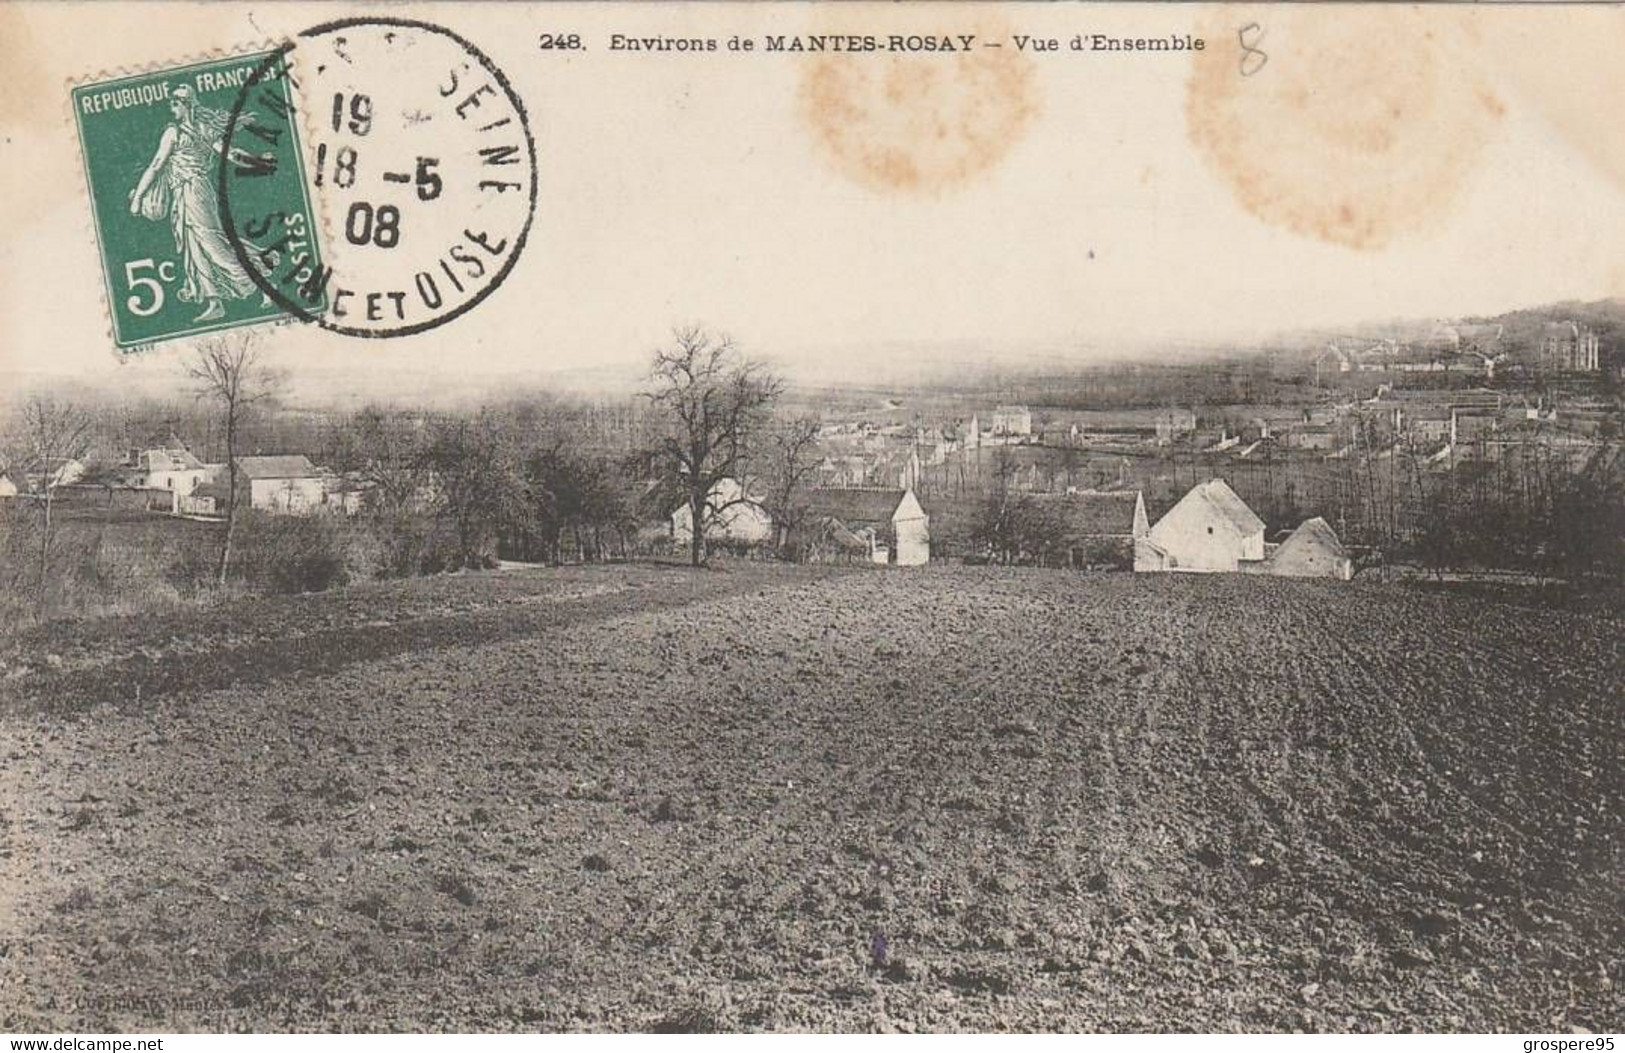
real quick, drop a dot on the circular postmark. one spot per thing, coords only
(419, 155)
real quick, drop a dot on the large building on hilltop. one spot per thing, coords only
(1568, 348)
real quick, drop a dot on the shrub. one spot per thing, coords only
(364, 553)
(409, 544)
(289, 554)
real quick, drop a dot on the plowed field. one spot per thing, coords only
(637, 798)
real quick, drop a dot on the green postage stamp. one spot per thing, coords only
(158, 150)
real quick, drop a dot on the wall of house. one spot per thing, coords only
(1148, 557)
(180, 480)
(344, 502)
(1313, 440)
(913, 537)
(735, 523)
(287, 496)
(1309, 559)
(191, 504)
(1196, 539)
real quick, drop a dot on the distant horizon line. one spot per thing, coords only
(830, 366)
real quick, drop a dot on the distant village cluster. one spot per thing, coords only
(849, 507)
(1383, 453)
(879, 474)
(1210, 529)
(1564, 347)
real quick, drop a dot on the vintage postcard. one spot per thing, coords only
(837, 517)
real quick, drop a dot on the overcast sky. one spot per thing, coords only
(682, 188)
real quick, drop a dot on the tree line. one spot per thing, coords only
(532, 478)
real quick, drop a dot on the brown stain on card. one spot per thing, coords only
(1358, 126)
(918, 123)
(21, 104)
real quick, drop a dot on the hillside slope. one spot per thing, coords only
(637, 798)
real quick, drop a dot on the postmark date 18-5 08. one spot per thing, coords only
(423, 166)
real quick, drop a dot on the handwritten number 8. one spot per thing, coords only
(1253, 58)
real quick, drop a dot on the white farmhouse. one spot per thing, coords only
(1210, 529)
(172, 468)
(732, 516)
(285, 484)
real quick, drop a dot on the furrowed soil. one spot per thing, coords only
(761, 797)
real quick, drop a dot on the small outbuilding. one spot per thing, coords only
(206, 499)
(1311, 551)
(889, 523)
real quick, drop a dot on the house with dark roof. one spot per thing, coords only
(1097, 526)
(885, 525)
(36, 476)
(205, 499)
(1012, 420)
(1209, 529)
(1430, 423)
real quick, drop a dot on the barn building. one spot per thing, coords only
(888, 524)
(1098, 526)
(1209, 529)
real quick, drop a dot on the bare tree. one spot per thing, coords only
(712, 402)
(54, 435)
(791, 458)
(995, 528)
(228, 372)
(479, 483)
(390, 450)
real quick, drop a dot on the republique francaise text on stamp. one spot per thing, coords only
(376, 177)
(154, 147)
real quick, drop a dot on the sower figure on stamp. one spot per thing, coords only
(179, 184)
